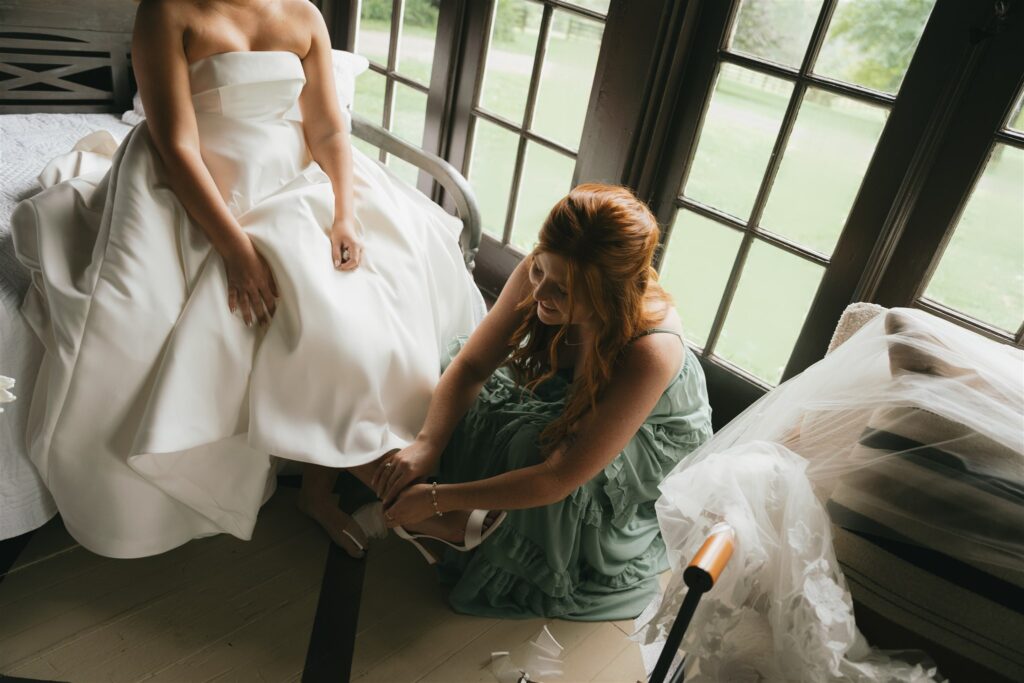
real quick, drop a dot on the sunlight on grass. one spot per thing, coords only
(696, 268)
(736, 139)
(982, 270)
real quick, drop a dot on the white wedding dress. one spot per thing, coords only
(157, 411)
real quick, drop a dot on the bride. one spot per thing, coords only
(239, 284)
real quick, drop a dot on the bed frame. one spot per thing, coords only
(76, 57)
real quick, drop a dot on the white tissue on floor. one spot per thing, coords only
(534, 661)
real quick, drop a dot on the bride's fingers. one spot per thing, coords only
(352, 261)
(269, 302)
(395, 486)
(336, 252)
(232, 299)
(246, 306)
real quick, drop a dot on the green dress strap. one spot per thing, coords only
(656, 330)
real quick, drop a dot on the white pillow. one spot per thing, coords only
(346, 67)
(135, 115)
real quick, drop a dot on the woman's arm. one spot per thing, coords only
(328, 139)
(640, 378)
(458, 387)
(161, 69)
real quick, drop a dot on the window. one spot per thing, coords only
(528, 111)
(801, 92)
(980, 273)
(398, 37)
(800, 155)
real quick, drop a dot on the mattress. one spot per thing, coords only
(27, 143)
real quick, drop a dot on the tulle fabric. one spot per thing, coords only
(911, 429)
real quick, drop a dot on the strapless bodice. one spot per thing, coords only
(250, 129)
(247, 85)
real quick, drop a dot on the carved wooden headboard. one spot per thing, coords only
(65, 56)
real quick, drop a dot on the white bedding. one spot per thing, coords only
(27, 143)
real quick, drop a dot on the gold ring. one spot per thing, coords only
(388, 465)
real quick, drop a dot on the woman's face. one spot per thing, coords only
(549, 277)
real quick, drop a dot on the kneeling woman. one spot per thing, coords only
(567, 407)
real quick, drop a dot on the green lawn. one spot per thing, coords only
(831, 145)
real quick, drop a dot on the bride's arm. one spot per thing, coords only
(161, 69)
(645, 369)
(458, 387)
(328, 138)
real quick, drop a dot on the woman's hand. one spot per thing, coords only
(346, 247)
(413, 505)
(401, 468)
(251, 285)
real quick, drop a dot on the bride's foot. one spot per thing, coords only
(342, 529)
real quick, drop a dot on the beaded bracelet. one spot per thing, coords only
(433, 499)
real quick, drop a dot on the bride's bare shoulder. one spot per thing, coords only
(176, 11)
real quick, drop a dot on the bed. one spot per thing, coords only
(58, 85)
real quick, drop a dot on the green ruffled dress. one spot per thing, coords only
(595, 555)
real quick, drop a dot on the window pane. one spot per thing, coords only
(870, 42)
(982, 269)
(510, 54)
(696, 269)
(403, 169)
(490, 172)
(416, 42)
(774, 295)
(775, 31)
(547, 177)
(1016, 121)
(369, 102)
(374, 30)
(566, 77)
(736, 139)
(366, 148)
(822, 167)
(409, 114)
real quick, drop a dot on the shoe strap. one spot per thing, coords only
(475, 528)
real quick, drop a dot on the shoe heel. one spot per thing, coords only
(427, 555)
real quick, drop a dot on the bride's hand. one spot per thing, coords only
(251, 285)
(414, 505)
(346, 247)
(399, 469)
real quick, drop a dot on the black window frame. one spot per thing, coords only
(653, 80)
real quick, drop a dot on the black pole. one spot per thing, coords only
(675, 636)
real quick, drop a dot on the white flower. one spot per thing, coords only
(5, 395)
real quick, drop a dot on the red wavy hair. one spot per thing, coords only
(608, 238)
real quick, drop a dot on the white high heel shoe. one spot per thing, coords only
(475, 534)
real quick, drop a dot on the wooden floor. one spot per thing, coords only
(220, 609)
(407, 632)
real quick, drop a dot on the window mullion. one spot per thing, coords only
(397, 14)
(389, 97)
(538, 66)
(731, 286)
(513, 194)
